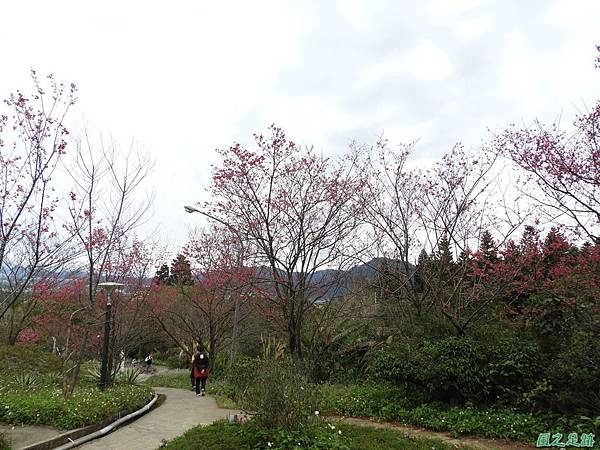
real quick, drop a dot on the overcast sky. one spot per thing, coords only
(186, 77)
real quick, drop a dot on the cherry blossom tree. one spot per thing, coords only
(211, 308)
(427, 220)
(32, 141)
(297, 212)
(105, 208)
(562, 168)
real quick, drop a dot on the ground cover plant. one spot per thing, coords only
(323, 436)
(44, 405)
(386, 402)
(4, 444)
(30, 392)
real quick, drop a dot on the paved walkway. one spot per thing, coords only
(21, 436)
(180, 411)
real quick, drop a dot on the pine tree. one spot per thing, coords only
(181, 272)
(422, 271)
(162, 276)
(444, 260)
(487, 247)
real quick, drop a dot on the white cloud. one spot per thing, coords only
(424, 62)
(472, 28)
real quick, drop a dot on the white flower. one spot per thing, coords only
(316, 413)
(339, 432)
(270, 444)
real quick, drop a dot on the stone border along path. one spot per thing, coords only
(180, 411)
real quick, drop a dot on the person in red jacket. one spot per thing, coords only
(200, 368)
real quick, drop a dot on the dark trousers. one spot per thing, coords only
(192, 377)
(200, 381)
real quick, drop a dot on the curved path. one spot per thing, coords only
(180, 411)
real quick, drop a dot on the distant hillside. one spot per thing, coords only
(339, 283)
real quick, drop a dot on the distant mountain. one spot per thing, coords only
(340, 282)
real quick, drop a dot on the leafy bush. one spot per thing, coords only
(512, 371)
(314, 435)
(279, 395)
(573, 376)
(242, 374)
(448, 368)
(177, 361)
(46, 406)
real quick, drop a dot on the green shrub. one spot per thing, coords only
(448, 368)
(511, 371)
(177, 362)
(93, 373)
(275, 391)
(574, 378)
(242, 374)
(315, 435)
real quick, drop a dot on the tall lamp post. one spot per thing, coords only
(191, 209)
(109, 287)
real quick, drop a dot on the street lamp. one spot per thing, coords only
(109, 287)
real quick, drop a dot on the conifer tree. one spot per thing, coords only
(162, 275)
(181, 272)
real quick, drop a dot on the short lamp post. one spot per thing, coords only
(109, 287)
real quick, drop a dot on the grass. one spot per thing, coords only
(215, 387)
(226, 436)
